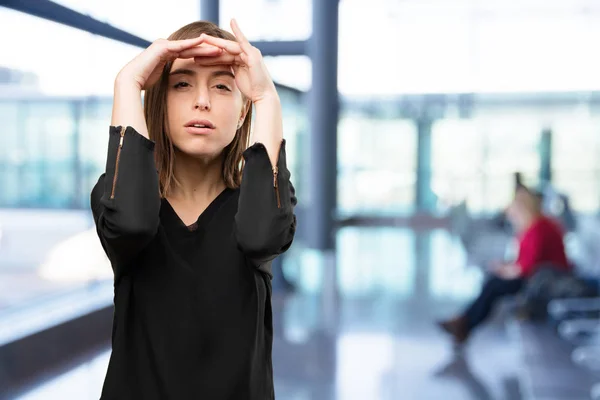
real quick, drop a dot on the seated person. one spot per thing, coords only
(540, 243)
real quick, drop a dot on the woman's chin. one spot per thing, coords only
(201, 150)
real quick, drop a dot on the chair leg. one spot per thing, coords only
(595, 391)
(570, 329)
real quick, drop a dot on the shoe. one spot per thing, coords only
(457, 327)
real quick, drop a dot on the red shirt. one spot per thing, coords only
(541, 243)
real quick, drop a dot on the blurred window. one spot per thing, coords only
(376, 165)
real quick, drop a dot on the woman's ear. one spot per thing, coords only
(243, 114)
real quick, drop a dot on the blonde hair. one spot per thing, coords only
(155, 112)
(528, 200)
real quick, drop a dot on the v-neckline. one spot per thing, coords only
(202, 219)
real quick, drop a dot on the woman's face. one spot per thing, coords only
(520, 212)
(515, 214)
(204, 108)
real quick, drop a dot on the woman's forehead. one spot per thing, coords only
(189, 64)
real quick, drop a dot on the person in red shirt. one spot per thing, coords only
(540, 243)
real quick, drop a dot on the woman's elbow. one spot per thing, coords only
(131, 226)
(265, 240)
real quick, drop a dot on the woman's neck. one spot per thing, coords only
(529, 220)
(199, 178)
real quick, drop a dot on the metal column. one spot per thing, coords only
(425, 199)
(209, 10)
(546, 156)
(323, 105)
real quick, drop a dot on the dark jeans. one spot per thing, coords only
(493, 290)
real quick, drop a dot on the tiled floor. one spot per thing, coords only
(373, 337)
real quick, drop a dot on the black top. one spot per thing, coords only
(192, 313)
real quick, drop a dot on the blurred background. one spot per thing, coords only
(406, 122)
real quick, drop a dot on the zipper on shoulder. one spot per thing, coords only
(112, 193)
(276, 186)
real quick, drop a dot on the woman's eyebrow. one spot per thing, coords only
(222, 72)
(183, 71)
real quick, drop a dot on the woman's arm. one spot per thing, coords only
(265, 223)
(125, 200)
(268, 125)
(508, 271)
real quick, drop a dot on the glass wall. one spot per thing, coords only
(475, 159)
(376, 165)
(576, 159)
(477, 146)
(51, 149)
(55, 83)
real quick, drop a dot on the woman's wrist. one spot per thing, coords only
(124, 83)
(268, 99)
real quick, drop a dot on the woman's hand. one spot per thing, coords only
(145, 69)
(508, 271)
(251, 74)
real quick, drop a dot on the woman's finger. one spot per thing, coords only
(200, 51)
(243, 58)
(228, 45)
(223, 59)
(244, 43)
(178, 46)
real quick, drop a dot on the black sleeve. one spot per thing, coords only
(125, 201)
(265, 223)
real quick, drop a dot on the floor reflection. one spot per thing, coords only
(367, 331)
(458, 369)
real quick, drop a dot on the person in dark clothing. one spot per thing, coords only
(191, 218)
(540, 242)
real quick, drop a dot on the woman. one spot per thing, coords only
(189, 233)
(540, 243)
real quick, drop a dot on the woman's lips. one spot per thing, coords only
(198, 131)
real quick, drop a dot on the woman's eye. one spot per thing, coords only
(181, 84)
(222, 87)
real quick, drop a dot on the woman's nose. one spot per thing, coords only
(202, 101)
